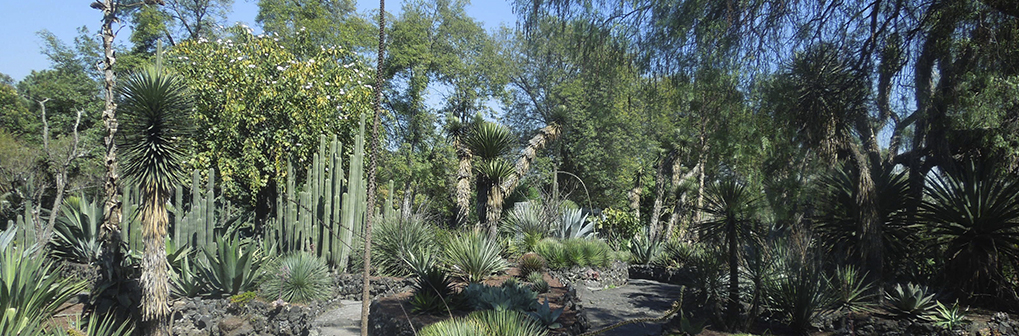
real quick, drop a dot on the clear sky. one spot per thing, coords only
(20, 20)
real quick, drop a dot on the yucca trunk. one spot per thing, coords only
(154, 279)
(733, 310)
(527, 156)
(871, 227)
(494, 211)
(463, 183)
(484, 189)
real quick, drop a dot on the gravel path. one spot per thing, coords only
(342, 321)
(638, 299)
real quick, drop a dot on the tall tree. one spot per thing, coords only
(155, 108)
(308, 25)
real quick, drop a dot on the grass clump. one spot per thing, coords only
(474, 256)
(299, 277)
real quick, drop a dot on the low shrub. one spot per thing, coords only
(298, 277)
(538, 283)
(553, 252)
(530, 263)
(509, 296)
(395, 237)
(487, 322)
(575, 252)
(644, 250)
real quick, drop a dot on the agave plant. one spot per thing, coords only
(852, 292)
(645, 250)
(972, 215)
(230, 269)
(912, 302)
(526, 225)
(574, 224)
(546, 315)
(76, 236)
(31, 291)
(96, 326)
(474, 255)
(433, 290)
(949, 317)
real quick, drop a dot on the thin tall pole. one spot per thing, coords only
(372, 167)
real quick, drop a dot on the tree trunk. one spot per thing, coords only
(871, 227)
(494, 211)
(462, 195)
(484, 187)
(110, 256)
(527, 156)
(664, 162)
(154, 280)
(634, 196)
(733, 310)
(372, 169)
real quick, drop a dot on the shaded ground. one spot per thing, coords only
(342, 321)
(638, 299)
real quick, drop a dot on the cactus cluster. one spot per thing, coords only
(25, 226)
(327, 212)
(196, 227)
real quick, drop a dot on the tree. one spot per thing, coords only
(263, 107)
(198, 18)
(731, 208)
(307, 25)
(155, 109)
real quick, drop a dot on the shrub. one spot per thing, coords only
(553, 252)
(474, 255)
(488, 323)
(298, 277)
(799, 290)
(949, 317)
(676, 252)
(30, 290)
(912, 302)
(850, 290)
(509, 296)
(231, 269)
(531, 263)
(395, 237)
(538, 283)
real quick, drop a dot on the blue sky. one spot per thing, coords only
(21, 20)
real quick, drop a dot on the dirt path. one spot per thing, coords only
(342, 321)
(639, 298)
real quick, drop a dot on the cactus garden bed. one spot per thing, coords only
(393, 316)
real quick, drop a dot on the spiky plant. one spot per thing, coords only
(972, 214)
(912, 302)
(531, 263)
(490, 174)
(76, 236)
(731, 209)
(300, 277)
(231, 268)
(852, 291)
(573, 224)
(30, 290)
(155, 109)
(644, 249)
(474, 255)
(526, 225)
(395, 238)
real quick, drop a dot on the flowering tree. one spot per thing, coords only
(258, 106)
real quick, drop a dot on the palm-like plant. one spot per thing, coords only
(972, 217)
(731, 210)
(527, 226)
(154, 106)
(489, 142)
(77, 231)
(490, 174)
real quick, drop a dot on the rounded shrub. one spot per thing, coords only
(474, 255)
(297, 277)
(538, 283)
(531, 263)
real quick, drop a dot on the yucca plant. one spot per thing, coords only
(433, 290)
(31, 291)
(574, 224)
(230, 269)
(852, 293)
(912, 302)
(971, 214)
(76, 234)
(154, 112)
(799, 290)
(487, 323)
(474, 256)
(299, 277)
(731, 209)
(526, 225)
(394, 238)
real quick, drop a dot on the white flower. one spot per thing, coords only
(348, 65)
(251, 65)
(280, 68)
(311, 61)
(327, 83)
(342, 92)
(328, 97)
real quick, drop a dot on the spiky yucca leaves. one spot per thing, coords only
(154, 114)
(838, 219)
(538, 283)
(645, 250)
(731, 209)
(77, 231)
(851, 290)
(31, 291)
(474, 256)
(488, 323)
(299, 277)
(395, 238)
(489, 140)
(95, 326)
(972, 215)
(527, 226)
(433, 291)
(799, 290)
(912, 302)
(491, 173)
